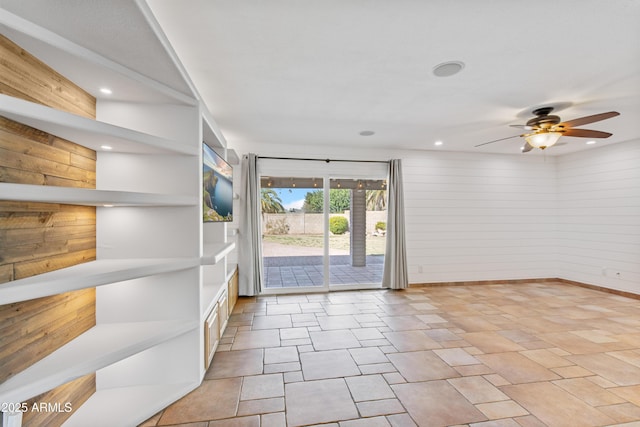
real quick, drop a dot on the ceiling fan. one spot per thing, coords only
(545, 129)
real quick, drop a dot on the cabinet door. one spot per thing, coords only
(211, 336)
(233, 291)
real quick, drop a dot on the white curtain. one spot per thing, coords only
(249, 247)
(395, 275)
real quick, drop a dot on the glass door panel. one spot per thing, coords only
(357, 230)
(293, 232)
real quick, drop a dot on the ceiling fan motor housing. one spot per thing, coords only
(543, 119)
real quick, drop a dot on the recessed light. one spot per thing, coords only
(106, 147)
(107, 206)
(367, 133)
(591, 142)
(106, 90)
(447, 69)
(438, 143)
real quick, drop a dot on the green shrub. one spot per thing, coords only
(381, 225)
(338, 224)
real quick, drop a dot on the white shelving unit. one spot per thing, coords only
(159, 270)
(89, 275)
(89, 133)
(98, 410)
(100, 346)
(216, 270)
(216, 252)
(89, 197)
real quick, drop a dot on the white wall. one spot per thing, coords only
(492, 217)
(599, 216)
(479, 216)
(468, 216)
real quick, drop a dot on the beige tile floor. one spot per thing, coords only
(529, 355)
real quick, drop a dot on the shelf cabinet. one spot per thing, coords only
(162, 278)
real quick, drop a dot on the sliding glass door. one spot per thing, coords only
(357, 229)
(321, 230)
(293, 232)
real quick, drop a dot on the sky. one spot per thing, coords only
(293, 198)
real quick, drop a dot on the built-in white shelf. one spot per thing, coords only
(210, 294)
(89, 197)
(176, 145)
(213, 253)
(88, 275)
(212, 290)
(88, 132)
(97, 348)
(128, 406)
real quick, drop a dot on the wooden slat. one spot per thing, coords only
(23, 177)
(10, 206)
(16, 128)
(12, 159)
(88, 182)
(33, 329)
(73, 148)
(18, 220)
(39, 251)
(25, 76)
(82, 162)
(29, 252)
(81, 245)
(22, 144)
(59, 309)
(56, 262)
(75, 393)
(6, 273)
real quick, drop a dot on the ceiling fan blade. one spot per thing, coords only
(589, 119)
(586, 133)
(496, 140)
(527, 147)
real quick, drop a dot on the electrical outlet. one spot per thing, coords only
(420, 269)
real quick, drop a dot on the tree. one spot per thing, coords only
(376, 200)
(270, 201)
(313, 201)
(339, 201)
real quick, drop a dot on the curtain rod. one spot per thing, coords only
(322, 160)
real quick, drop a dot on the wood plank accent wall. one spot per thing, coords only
(25, 76)
(40, 237)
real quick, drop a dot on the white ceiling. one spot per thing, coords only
(320, 72)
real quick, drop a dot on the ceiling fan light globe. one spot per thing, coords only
(543, 140)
